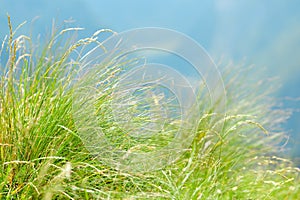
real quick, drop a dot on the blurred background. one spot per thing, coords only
(263, 33)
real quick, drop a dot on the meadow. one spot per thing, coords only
(42, 156)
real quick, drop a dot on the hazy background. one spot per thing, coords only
(264, 33)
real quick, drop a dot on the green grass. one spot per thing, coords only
(42, 155)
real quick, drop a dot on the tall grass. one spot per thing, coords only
(42, 155)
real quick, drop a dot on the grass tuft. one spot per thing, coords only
(42, 155)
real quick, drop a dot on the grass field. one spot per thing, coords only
(42, 155)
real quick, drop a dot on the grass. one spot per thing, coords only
(43, 157)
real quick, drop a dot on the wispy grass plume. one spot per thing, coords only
(43, 156)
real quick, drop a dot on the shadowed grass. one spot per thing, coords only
(42, 156)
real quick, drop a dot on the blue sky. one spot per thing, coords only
(264, 33)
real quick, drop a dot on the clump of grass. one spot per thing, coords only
(42, 155)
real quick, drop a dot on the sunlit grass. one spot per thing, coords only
(42, 155)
